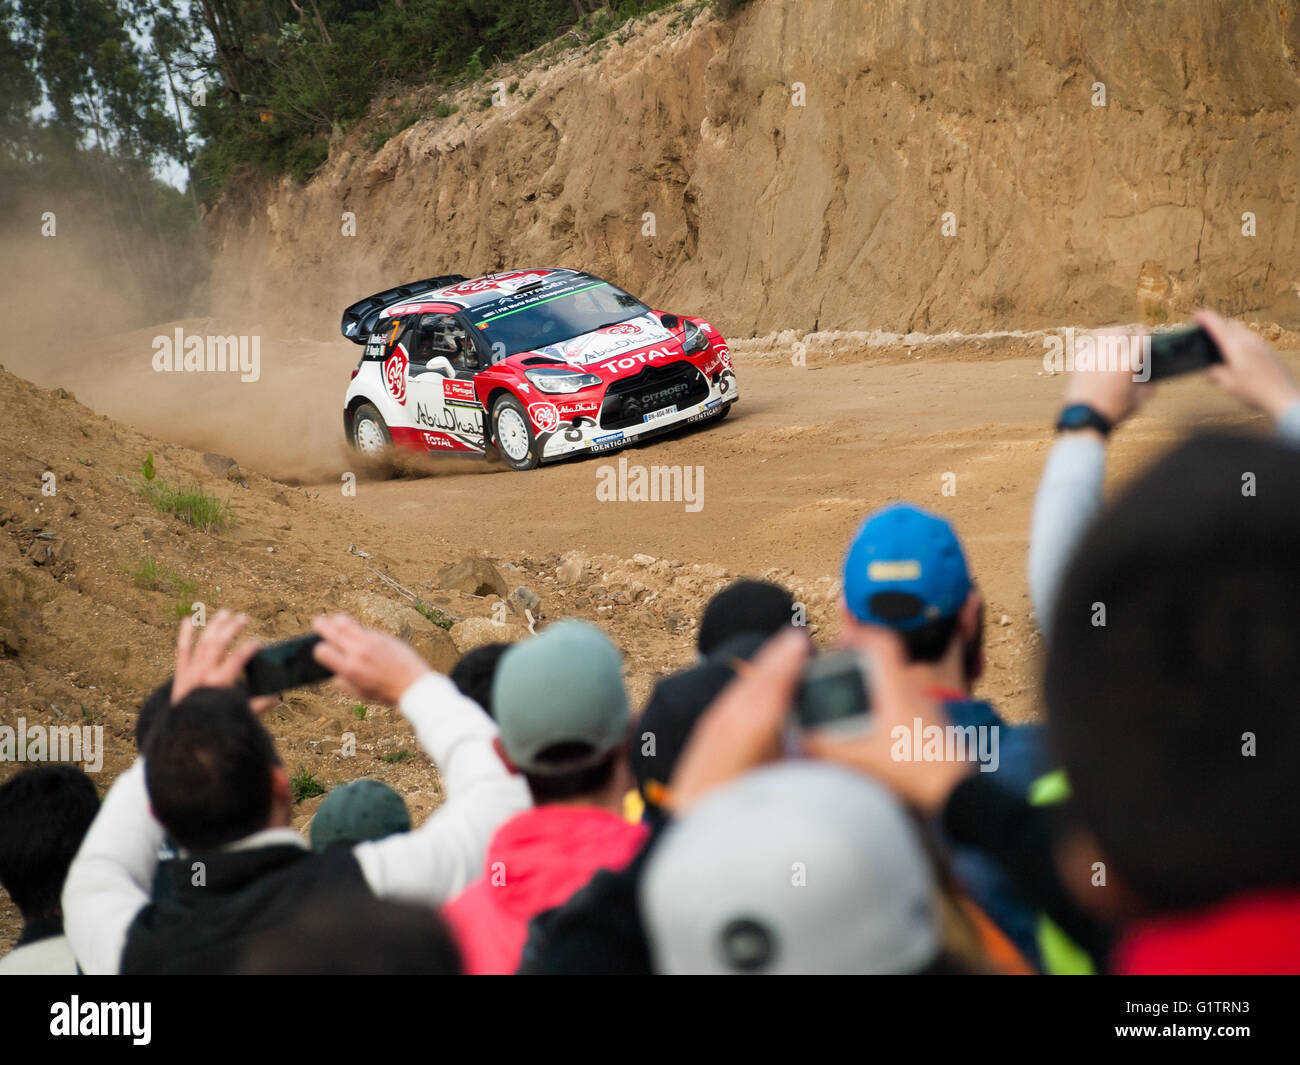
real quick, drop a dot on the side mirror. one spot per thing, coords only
(670, 321)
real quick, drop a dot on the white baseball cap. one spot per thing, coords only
(800, 867)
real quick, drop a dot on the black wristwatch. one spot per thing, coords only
(1082, 416)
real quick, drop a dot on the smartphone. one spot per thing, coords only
(1184, 351)
(835, 693)
(284, 665)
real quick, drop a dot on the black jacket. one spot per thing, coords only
(205, 927)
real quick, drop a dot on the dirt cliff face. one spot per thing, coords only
(800, 161)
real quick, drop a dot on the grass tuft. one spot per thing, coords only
(434, 614)
(191, 505)
(305, 786)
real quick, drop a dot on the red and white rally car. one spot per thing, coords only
(537, 364)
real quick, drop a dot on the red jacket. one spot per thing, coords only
(1250, 934)
(536, 861)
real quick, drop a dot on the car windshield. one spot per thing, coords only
(520, 323)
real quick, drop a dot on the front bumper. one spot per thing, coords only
(587, 434)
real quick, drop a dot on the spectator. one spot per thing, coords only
(1194, 572)
(1175, 719)
(44, 814)
(563, 714)
(745, 606)
(1069, 498)
(795, 868)
(1022, 837)
(675, 704)
(358, 935)
(747, 726)
(1070, 493)
(356, 812)
(905, 570)
(599, 929)
(474, 672)
(215, 784)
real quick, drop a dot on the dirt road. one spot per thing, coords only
(961, 427)
(793, 470)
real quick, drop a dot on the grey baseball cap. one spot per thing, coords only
(562, 686)
(358, 811)
(801, 867)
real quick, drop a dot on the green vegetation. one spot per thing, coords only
(247, 87)
(359, 711)
(305, 786)
(396, 756)
(227, 88)
(390, 127)
(434, 614)
(148, 576)
(144, 575)
(192, 505)
(685, 15)
(317, 68)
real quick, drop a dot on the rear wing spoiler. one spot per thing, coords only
(359, 319)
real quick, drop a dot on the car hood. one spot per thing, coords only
(587, 351)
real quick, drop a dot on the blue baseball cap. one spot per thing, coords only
(905, 568)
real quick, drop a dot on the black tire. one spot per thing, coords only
(369, 425)
(519, 449)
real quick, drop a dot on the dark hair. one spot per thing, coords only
(676, 703)
(208, 765)
(744, 606)
(930, 642)
(157, 701)
(354, 933)
(1154, 704)
(560, 787)
(474, 673)
(44, 814)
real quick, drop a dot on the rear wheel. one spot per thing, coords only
(513, 435)
(370, 433)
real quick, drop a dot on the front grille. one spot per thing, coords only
(654, 388)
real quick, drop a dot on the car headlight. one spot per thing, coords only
(558, 380)
(693, 339)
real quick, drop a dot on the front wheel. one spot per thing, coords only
(513, 435)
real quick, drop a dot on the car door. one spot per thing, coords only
(440, 382)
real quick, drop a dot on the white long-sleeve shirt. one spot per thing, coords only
(1069, 500)
(111, 878)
